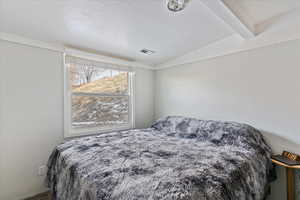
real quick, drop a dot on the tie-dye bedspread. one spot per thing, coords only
(176, 159)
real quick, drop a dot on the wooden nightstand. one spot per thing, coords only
(290, 178)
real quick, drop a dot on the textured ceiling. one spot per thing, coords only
(115, 27)
(121, 28)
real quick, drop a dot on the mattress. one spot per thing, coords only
(177, 158)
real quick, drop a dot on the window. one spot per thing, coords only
(99, 97)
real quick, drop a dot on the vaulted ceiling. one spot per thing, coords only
(258, 14)
(121, 28)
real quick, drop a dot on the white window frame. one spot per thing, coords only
(75, 132)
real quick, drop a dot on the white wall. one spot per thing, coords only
(144, 98)
(31, 91)
(32, 105)
(260, 87)
(1, 123)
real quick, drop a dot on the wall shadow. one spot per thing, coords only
(279, 143)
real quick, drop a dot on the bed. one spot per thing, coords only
(177, 158)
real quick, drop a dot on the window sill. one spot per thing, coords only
(80, 132)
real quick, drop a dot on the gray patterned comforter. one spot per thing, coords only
(176, 159)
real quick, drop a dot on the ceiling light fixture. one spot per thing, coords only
(176, 5)
(147, 51)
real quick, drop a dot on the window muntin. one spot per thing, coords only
(99, 97)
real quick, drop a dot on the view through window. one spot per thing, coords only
(100, 97)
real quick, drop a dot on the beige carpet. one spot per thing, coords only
(43, 196)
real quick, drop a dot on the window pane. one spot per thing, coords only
(90, 111)
(90, 79)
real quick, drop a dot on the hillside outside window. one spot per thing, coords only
(99, 97)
